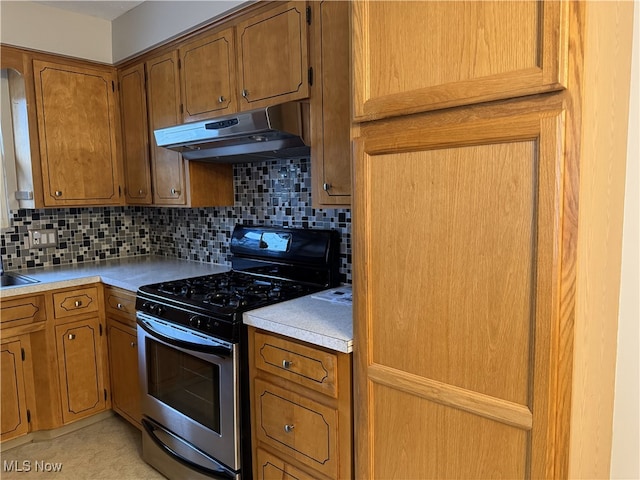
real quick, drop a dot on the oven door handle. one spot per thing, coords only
(219, 474)
(218, 350)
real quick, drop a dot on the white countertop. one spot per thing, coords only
(309, 319)
(319, 322)
(128, 273)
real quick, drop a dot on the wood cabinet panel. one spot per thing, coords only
(121, 304)
(80, 368)
(135, 144)
(417, 56)
(13, 412)
(163, 90)
(22, 311)
(298, 363)
(270, 467)
(76, 302)
(123, 360)
(208, 76)
(330, 104)
(77, 127)
(273, 57)
(304, 429)
(473, 282)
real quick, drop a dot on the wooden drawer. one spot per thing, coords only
(121, 303)
(297, 426)
(270, 467)
(22, 311)
(75, 302)
(309, 367)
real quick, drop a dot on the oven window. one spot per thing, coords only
(185, 383)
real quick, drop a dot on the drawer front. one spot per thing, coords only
(298, 427)
(307, 366)
(75, 302)
(270, 467)
(22, 311)
(121, 303)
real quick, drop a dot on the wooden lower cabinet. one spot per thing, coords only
(123, 353)
(80, 352)
(301, 409)
(14, 411)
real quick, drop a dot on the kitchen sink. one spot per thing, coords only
(10, 279)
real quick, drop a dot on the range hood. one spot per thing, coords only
(256, 135)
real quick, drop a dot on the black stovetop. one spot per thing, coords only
(270, 265)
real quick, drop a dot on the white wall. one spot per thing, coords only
(625, 461)
(153, 22)
(41, 27)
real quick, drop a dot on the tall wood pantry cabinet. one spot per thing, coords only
(489, 180)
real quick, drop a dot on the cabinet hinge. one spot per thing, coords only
(28, 416)
(105, 394)
(181, 109)
(113, 86)
(179, 64)
(310, 75)
(308, 15)
(22, 354)
(100, 329)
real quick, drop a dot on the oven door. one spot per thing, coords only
(190, 392)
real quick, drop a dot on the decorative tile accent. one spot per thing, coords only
(269, 193)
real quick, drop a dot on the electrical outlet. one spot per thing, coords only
(43, 238)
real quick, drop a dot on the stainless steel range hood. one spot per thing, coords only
(256, 135)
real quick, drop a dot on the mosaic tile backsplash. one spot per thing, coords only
(268, 193)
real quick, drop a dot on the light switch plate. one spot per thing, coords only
(43, 238)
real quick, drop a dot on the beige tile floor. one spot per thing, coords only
(108, 449)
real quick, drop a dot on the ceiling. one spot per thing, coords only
(101, 9)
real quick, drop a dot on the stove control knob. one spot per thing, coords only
(195, 321)
(152, 308)
(160, 310)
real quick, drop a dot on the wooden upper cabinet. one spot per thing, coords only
(273, 58)
(135, 136)
(208, 76)
(418, 56)
(330, 101)
(163, 100)
(77, 126)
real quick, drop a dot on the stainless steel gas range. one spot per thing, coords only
(192, 356)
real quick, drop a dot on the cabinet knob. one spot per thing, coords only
(175, 191)
(141, 192)
(119, 306)
(287, 364)
(133, 344)
(58, 193)
(288, 428)
(71, 336)
(326, 187)
(221, 99)
(245, 93)
(78, 303)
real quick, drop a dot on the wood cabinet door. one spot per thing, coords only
(77, 127)
(208, 76)
(163, 100)
(417, 56)
(330, 104)
(80, 368)
(13, 418)
(135, 136)
(123, 360)
(273, 57)
(458, 228)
